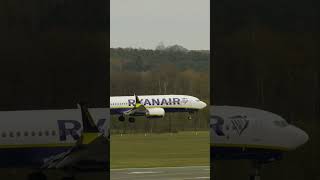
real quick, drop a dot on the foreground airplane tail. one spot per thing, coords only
(138, 102)
(90, 130)
(90, 152)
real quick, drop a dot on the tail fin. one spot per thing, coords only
(87, 120)
(138, 102)
(137, 99)
(90, 130)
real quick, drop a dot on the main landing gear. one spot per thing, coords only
(256, 174)
(190, 115)
(121, 118)
(131, 119)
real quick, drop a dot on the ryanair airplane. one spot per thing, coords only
(252, 134)
(153, 106)
(68, 139)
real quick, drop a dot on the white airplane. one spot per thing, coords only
(253, 134)
(153, 106)
(72, 139)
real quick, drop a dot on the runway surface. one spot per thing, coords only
(162, 173)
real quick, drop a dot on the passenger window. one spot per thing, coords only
(40, 133)
(46, 133)
(33, 133)
(53, 133)
(11, 134)
(18, 134)
(26, 133)
(3, 134)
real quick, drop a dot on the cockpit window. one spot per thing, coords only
(196, 99)
(280, 123)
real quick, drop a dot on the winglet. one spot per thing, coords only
(90, 130)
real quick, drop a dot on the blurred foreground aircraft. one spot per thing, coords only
(69, 139)
(253, 134)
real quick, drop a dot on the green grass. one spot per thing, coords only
(160, 150)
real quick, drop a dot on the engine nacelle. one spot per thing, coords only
(155, 112)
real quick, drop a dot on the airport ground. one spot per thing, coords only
(165, 156)
(162, 173)
(160, 150)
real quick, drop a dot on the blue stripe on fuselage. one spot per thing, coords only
(237, 153)
(122, 110)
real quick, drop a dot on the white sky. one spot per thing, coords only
(146, 23)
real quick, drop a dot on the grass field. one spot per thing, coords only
(160, 150)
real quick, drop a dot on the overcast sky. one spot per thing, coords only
(146, 23)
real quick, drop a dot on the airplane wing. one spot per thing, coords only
(137, 110)
(90, 152)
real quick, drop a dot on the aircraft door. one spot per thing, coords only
(255, 131)
(227, 129)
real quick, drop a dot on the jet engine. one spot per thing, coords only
(155, 112)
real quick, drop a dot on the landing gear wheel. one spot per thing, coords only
(37, 176)
(131, 119)
(190, 115)
(121, 118)
(256, 175)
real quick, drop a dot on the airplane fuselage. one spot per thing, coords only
(170, 103)
(249, 133)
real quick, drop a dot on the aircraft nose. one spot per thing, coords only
(300, 137)
(202, 104)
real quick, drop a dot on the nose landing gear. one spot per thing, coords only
(256, 175)
(190, 115)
